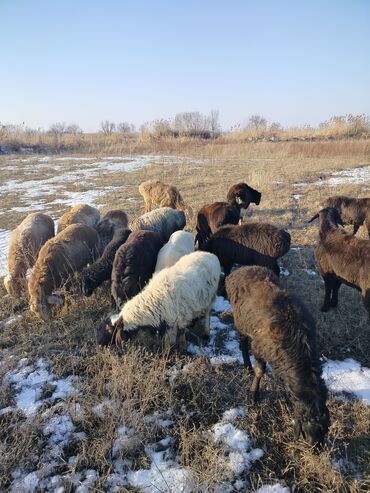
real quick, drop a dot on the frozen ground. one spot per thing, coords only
(45, 184)
(356, 176)
(54, 402)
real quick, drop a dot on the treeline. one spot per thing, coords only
(187, 125)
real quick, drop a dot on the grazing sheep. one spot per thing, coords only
(94, 275)
(79, 214)
(341, 258)
(60, 257)
(159, 194)
(212, 216)
(134, 264)
(249, 244)
(284, 334)
(24, 246)
(172, 299)
(352, 211)
(110, 223)
(180, 243)
(164, 221)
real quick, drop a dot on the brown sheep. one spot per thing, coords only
(212, 216)
(24, 246)
(159, 194)
(249, 244)
(284, 334)
(60, 257)
(341, 258)
(351, 210)
(110, 223)
(79, 214)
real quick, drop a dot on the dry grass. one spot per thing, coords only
(137, 383)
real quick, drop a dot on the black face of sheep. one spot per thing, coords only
(312, 428)
(114, 333)
(329, 213)
(87, 286)
(243, 195)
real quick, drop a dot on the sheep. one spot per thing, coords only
(79, 214)
(341, 258)
(180, 243)
(249, 244)
(59, 258)
(212, 216)
(284, 334)
(134, 264)
(164, 221)
(24, 246)
(110, 223)
(160, 194)
(171, 300)
(351, 210)
(94, 275)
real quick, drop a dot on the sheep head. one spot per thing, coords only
(329, 214)
(114, 333)
(243, 195)
(15, 286)
(312, 426)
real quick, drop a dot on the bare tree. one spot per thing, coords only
(126, 128)
(214, 125)
(73, 129)
(257, 122)
(107, 127)
(193, 124)
(57, 129)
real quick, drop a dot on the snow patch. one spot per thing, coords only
(348, 376)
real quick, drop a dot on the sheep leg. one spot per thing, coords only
(207, 324)
(244, 347)
(366, 300)
(356, 227)
(328, 289)
(181, 341)
(170, 338)
(260, 369)
(336, 284)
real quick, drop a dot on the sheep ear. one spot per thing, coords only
(313, 218)
(55, 299)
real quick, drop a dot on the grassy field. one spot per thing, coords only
(189, 391)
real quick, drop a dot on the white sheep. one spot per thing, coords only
(164, 221)
(180, 243)
(171, 300)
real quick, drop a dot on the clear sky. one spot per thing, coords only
(83, 61)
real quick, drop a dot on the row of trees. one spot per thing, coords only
(196, 124)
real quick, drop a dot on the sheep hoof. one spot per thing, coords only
(325, 308)
(334, 304)
(253, 398)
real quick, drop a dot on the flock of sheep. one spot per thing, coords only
(160, 285)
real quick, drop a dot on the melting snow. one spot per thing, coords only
(350, 175)
(348, 376)
(310, 272)
(29, 381)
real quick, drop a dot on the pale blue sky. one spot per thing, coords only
(83, 61)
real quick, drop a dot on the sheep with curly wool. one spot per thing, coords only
(341, 258)
(25, 243)
(249, 244)
(171, 300)
(283, 333)
(352, 211)
(134, 264)
(164, 221)
(180, 243)
(59, 258)
(79, 214)
(158, 194)
(95, 274)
